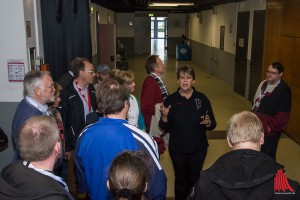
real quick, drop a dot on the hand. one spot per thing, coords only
(205, 120)
(164, 110)
(67, 155)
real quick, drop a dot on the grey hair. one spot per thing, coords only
(32, 80)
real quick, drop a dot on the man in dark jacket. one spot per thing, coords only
(32, 177)
(272, 104)
(78, 101)
(245, 173)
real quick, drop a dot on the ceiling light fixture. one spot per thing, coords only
(156, 4)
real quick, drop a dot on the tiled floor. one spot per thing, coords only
(225, 102)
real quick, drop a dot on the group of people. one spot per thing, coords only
(94, 134)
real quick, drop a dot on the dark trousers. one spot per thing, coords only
(187, 167)
(270, 145)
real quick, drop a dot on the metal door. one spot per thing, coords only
(256, 52)
(241, 52)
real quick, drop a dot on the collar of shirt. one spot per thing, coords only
(47, 173)
(82, 89)
(36, 104)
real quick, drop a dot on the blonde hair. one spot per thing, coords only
(127, 76)
(244, 126)
(114, 73)
(58, 89)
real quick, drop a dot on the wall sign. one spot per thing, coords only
(16, 70)
(241, 42)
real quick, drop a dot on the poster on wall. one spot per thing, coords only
(16, 70)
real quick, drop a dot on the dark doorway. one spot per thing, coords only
(241, 52)
(256, 52)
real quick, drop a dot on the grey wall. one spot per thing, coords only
(201, 55)
(6, 116)
(223, 66)
(214, 61)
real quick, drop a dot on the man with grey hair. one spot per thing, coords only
(38, 91)
(245, 172)
(32, 177)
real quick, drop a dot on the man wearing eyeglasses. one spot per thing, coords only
(78, 100)
(38, 90)
(272, 104)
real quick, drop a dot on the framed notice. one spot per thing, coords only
(16, 70)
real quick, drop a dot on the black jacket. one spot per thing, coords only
(187, 135)
(20, 182)
(72, 111)
(244, 174)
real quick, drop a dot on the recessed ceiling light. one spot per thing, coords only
(156, 4)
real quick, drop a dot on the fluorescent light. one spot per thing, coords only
(156, 4)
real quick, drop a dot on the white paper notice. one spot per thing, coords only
(16, 70)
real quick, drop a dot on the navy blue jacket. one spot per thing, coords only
(24, 111)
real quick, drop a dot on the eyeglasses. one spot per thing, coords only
(90, 71)
(51, 86)
(272, 73)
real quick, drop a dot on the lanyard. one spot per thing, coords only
(262, 94)
(88, 100)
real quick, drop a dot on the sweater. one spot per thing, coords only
(151, 95)
(274, 108)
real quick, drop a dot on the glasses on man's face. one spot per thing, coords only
(272, 73)
(90, 71)
(50, 87)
